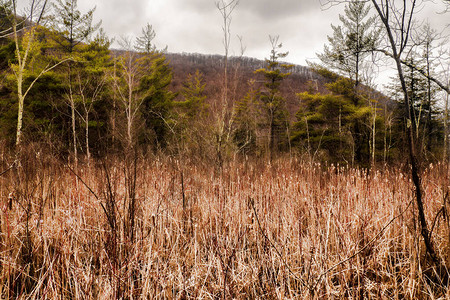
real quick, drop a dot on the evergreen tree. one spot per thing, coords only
(424, 113)
(273, 106)
(429, 37)
(193, 105)
(190, 113)
(157, 98)
(245, 122)
(334, 123)
(144, 43)
(5, 21)
(346, 54)
(321, 126)
(71, 25)
(352, 42)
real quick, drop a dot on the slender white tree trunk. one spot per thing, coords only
(20, 109)
(74, 132)
(88, 152)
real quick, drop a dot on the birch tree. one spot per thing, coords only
(27, 47)
(224, 120)
(90, 81)
(125, 78)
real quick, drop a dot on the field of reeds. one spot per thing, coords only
(159, 228)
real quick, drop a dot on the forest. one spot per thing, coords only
(130, 172)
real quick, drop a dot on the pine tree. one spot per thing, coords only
(334, 123)
(272, 104)
(349, 47)
(71, 25)
(157, 98)
(194, 97)
(352, 42)
(190, 113)
(245, 121)
(322, 126)
(422, 96)
(144, 43)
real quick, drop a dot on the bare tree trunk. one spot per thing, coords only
(271, 137)
(374, 134)
(446, 130)
(88, 151)
(385, 137)
(21, 101)
(22, 53)
(397, 49)
(225, 9)
(73, 126)
(429, 128)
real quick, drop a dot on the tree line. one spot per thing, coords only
(66, 89)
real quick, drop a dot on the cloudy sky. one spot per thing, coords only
(195, 26)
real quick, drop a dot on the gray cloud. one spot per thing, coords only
(270, 10)
(196, 25)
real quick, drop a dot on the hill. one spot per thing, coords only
(241, 73)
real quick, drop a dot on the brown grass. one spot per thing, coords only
(290, 230)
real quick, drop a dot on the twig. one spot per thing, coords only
(10, 167)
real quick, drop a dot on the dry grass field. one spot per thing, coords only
(160, 229)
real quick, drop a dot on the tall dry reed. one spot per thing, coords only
(291, 230)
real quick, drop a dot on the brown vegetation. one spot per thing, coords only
(161, 228)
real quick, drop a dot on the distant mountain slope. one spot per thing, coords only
(241, 71)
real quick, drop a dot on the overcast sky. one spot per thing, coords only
(195, 26)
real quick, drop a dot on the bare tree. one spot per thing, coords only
(125, 81)
(397, 18)
(446, 131)
(226, 9)
(398, 22)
